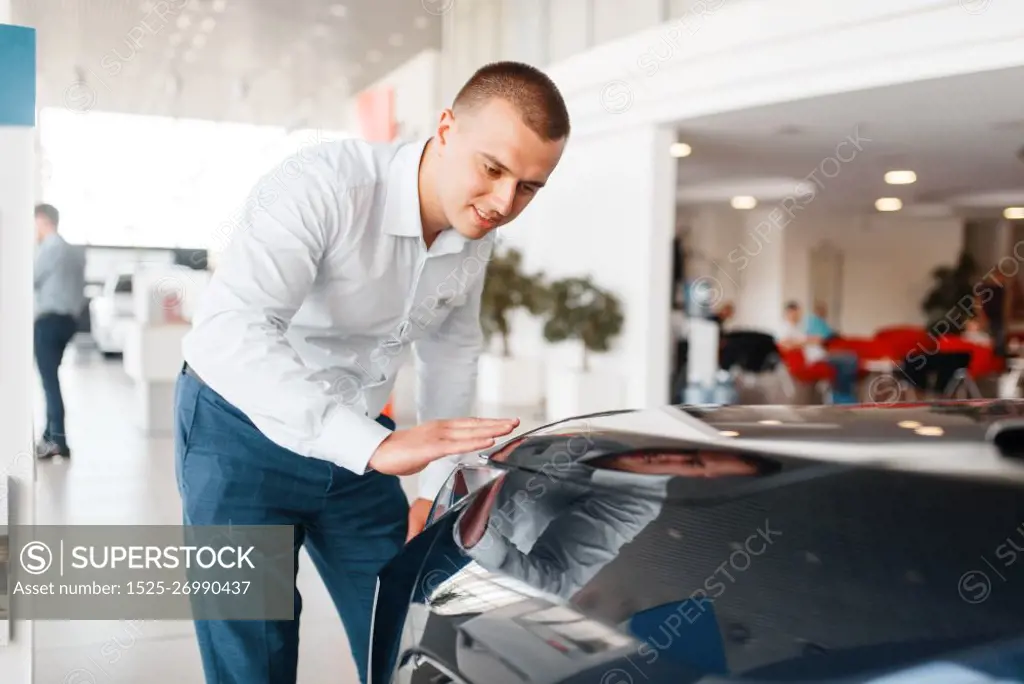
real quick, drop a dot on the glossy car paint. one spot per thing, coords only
(854, 542)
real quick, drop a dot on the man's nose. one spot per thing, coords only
(502, 199)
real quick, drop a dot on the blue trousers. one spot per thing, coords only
(52, 333)
(844, 390)
(351, 526)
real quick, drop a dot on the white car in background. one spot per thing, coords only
(111, 313)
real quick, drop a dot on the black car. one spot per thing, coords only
(722, 544)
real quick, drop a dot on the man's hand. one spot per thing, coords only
(418, 512)
(409, 451)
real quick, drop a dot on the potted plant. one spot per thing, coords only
(505, 379)
(577, 310)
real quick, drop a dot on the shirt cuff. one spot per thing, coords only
(349, 440)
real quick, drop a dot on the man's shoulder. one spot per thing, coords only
(355, 162)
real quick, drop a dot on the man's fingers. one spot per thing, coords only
(479, 422)
(477, 432)
(454, 447)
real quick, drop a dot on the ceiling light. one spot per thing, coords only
(1014, 213)
(927, 431)
(396, 40)
(770, 422)
(421, 22)
(728, 433)
(184, 21)
(900, 177)
(680, 150)
(208, 24)
(888, 204)
(373, 56)
(219, 6)
(339, 11)
(743, 202)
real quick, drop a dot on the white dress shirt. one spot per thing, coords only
(326, 284)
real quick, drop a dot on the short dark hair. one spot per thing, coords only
(527, 88)
(50, 212)
(792, 305)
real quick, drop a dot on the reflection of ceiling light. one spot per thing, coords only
(184, 21)
(219, 6)
(396, 40)
(421, 22)
(930, 431)
(338, 11)
(900, 177)
(373, 56)
(728, 433)
(208, 24)
(909, 424)
(770, 422)
(888, 204)
(743, 202)
(1014, 213)
(680, 150)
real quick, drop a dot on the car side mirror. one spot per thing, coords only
(463, 481)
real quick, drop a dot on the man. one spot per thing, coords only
(59, 299)
(992, 297)
(367, 254)
(795, 334)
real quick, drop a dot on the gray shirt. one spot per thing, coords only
(59, 277)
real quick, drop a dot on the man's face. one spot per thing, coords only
(491, 167)
(793, 316)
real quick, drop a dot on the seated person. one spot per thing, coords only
(817, 326)
(974, 332)
(794, 335)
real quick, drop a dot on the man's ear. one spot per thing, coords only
(445, 126)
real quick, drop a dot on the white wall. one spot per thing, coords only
(887, 263)
(607, 211)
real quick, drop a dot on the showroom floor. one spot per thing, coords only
(117, 476)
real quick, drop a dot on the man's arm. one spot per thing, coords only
(45, 265)
(239, 345)
(446, 368)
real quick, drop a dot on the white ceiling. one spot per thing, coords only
(963, 136)
(260, 61)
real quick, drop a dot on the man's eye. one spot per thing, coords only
(491, 170)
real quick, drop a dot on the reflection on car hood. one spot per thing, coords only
(946, 437)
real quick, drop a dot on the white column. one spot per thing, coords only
(608, 212)
(17, 376)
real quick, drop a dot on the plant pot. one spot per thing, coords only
(571, 392)
(509, 381)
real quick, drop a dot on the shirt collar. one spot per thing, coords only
(402, 203)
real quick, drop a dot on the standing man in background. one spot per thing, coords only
(59, 300)
(336, 273)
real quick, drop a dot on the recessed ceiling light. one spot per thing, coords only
(743, 202)
(208, 24)
(396, 40)
(219, 6)
(1014, 213)
(888, 204)
(900, 177)
(184, 21)
(421, 22)
(339, 11)
(680, 150)
(728, 433)
(373, 56)
(770, 422)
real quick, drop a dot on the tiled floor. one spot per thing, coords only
(118, 476)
